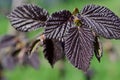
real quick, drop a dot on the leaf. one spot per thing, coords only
(15, 52)
(8, 62)
(79, 46)
(98, 49)
(57, 25)
(7, 40)
(101, 20)
(35, 44)
(28, 17)
(33, 60)
(53, 50)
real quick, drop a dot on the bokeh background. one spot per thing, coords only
(107, 69)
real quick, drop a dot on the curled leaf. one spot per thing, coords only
(98, 49)
(28, 17)
(35, 44)
(53, 50)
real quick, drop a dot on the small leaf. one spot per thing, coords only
(28, 17)
(36, 44)
(33, 47)
(101, 20)
(53, 50)
(8, 62)
(33, 60)
(98, 49)
(7, 40)
(15, 52)
(79, 46)
(57, 25)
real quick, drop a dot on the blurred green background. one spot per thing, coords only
(108, 69)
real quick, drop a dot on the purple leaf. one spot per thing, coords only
(57, 25)
(101, 20)
(28, 17)
(79, 46)
(53, 50)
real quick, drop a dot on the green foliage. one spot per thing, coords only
(3, 24)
